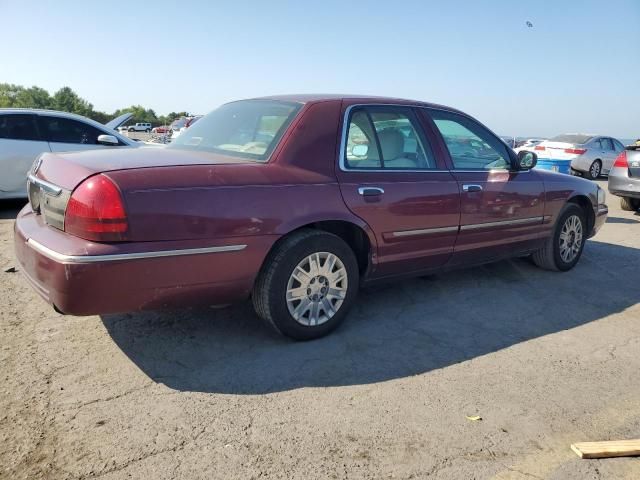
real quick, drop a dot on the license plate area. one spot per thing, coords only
(34, 193)
(49, 201)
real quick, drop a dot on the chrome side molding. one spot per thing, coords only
(63, 258)
(473, 226)
(503, 223)
(425, 231)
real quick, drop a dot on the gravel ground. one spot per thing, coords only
(545, 359)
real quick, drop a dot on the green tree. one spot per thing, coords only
(34, 97)
(8, 94)
(67, 100)
(140, 114)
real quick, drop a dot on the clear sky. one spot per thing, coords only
(576, 69)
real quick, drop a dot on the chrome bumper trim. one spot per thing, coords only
(61, 257)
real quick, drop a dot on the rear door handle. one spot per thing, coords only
(471, 187)
(370, 191)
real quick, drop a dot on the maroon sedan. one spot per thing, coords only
(294, 201)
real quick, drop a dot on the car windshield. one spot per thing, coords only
(248, 129)
(572, 138)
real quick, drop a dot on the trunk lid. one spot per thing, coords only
(67, 170)
(557, 150)
(116, 122)
(633, 160)
(54, 176)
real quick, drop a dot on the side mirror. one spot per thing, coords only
(109, 140)
(527, 160)
(360, 150)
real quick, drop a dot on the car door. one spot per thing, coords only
(67, 134)
(501, 209)
(608, 154)
(391, 177)
(20, 144)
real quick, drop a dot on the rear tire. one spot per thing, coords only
(564, 247)
(595, 170)
(147, 130)
(307, 284)
(629, 204)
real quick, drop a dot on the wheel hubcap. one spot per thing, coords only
(317, 288)
(570, 238)
(595, 169)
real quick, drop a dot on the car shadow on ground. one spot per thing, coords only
(9, 208)
(408, 328)
(621, 220)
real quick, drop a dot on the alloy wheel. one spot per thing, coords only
(595, 170)
(571, 238)
(316, 288)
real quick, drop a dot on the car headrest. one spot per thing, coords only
(391, 143)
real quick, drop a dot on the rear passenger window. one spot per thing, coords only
(386, 138)
(18, 127)
(470, 145)
(66, 130)
(606, 144)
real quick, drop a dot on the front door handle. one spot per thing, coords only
(370, 191)
(471, 187)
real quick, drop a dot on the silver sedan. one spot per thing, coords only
(581, 154)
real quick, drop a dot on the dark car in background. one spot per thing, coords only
(624, 178)
(294, 202)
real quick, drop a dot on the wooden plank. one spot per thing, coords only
(614, 448)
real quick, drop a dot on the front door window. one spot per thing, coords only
(471, 147)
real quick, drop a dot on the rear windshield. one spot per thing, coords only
(571, 138)
(247, 129)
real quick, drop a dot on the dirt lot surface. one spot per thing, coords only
(546, 359)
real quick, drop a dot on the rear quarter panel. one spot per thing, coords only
(206, 202)
(197, 202)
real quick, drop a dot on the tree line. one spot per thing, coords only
(66, 100)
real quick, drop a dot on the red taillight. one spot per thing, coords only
(539, 147)
(96, 211)
(575, 151)
(621, 160)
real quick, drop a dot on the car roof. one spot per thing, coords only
(36, 111)
(58, 113)
(351, 98)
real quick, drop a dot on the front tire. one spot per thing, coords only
(594, 170)
(564, 247)
(307, 285)
(147, 130)
(629, 204)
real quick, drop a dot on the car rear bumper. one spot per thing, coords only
(79, 277)
(560, 166)
(624, 186)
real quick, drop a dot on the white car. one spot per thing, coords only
(180, 125)
(529, 144)
(26, 133)
(139, 127)
(583, 154)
